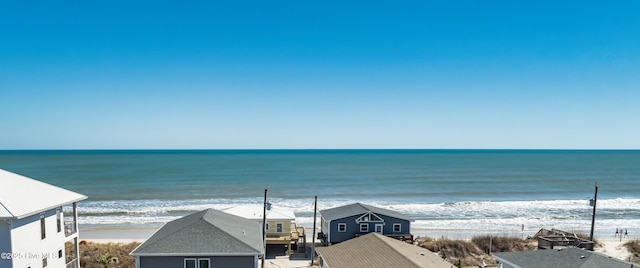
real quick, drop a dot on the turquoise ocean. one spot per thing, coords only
(453, 193)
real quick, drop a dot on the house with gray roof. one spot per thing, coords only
(562, 257)
(346, 222)
(205, 239)
(375, 250)
(38, 223)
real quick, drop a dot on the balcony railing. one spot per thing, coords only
(278, 236)
(72, 264)
(70, 228)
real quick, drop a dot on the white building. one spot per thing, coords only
(34, 232)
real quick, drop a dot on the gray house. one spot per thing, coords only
(563, 257)
(346, 222)
(205, 239)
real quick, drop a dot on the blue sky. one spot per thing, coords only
(319, 74)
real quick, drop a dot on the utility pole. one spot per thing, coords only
(264, 224)
(593, 217)
(313, 238)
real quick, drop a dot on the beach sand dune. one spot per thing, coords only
(615, 248)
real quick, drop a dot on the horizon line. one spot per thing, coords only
(323, 149)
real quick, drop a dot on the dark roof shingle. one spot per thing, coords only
(566, 258)
(205, 232)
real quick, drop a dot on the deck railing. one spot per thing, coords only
(70, 228)
(73, 264)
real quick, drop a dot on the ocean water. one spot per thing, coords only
(453, 193)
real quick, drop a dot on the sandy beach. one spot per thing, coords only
(116, 235)
(614, 247)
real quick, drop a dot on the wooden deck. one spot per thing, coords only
(297, 234)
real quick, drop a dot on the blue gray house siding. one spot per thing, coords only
(353, 228)
(215, 261)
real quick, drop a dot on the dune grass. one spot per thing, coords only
(464, 253)
(107, 255)
(502, 244)
(634, 248)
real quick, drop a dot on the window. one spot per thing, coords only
(44, 262)
(190, 263)
(279, 227)
(369, 217)
(59, 219)
(203, 263)
(266, 227)
(397, 227)
(197, 263)
(364, 227)
(43, 232)
(342, 227)
(60, 254)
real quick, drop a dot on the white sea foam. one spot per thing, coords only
(450, 219)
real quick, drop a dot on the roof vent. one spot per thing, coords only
(582, 257)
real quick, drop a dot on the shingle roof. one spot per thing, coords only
(210, 232)
(375, 250)
(358, 209)
(21, 196)
(566, 258)
(254, 212)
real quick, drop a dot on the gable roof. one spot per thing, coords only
(566, 257)
(21, 196)
(375, 250)
(207, 232)
(254, 212)
(358, 209)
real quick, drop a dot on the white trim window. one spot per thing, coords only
(364, 227)
(342, 227)
(369, 217)
(197, 263)
(397, 227)
(278, 227)
(190, 263)
(204, 263)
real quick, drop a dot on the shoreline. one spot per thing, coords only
(116, 235)
(142, 233)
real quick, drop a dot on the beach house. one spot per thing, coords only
(205, 239)
(281, 228)
(346, 222)
(38, 224)
(375, 250)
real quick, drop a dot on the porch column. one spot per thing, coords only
(76, 245)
